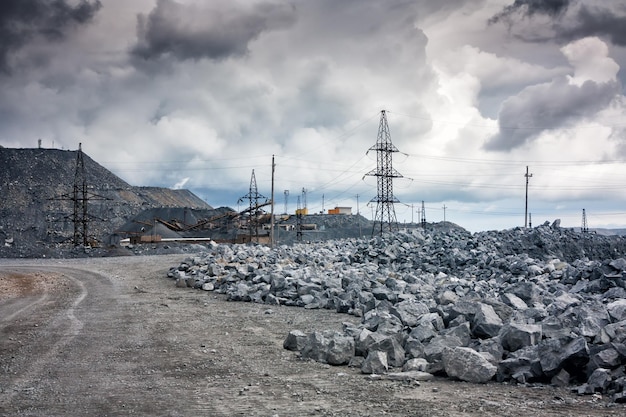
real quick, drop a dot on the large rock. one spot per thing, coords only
(333, 348)
(385, 343)
(467, 365)
(375, 363)
(515, 336)
(486, 322)
(409, 312)
(617, 310)
(573, 357)
(295, 340)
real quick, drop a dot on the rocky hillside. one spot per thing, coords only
(35, 211)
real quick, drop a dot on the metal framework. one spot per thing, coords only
(253, 197)
(81, 217)
(80, 198)
(423, 215)
(584, 228)
(385, 219)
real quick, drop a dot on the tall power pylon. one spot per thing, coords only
(385, 219)
(253, 197)
(423, 215)
(80, 198)
(584, 228)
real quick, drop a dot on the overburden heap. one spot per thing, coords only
(543, 305)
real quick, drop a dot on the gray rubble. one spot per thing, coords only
(542, 305)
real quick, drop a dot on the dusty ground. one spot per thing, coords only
(113, 336)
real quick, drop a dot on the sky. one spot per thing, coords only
(199, 94)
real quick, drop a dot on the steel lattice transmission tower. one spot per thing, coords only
(253, 197)
(385, 219)
(80, 198)
(585, 227)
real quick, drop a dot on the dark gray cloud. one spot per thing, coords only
(529, 8)
(23, 20)
(216, 30)
(571, 19)
(548, 106)
(596, 21)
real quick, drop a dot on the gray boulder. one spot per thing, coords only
(617, 309)
(329, 347)
(486, 322)
(467, 365)
(295, 341)
(515, 336)
(375, 363)
(409, 312)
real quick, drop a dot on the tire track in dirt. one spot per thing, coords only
(65, 326)
(22, 305)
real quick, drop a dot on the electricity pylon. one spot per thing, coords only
(80, 198)
(385, 219)
(584, 228)
(253, 197)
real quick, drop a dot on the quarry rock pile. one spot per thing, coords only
(541, 305)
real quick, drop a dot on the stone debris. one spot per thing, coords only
(542, 305)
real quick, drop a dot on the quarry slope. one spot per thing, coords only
(35, 209)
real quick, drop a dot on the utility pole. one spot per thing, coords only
(527, 175)
(584, 228)
(272, 210)
(444, 214)
(530, 220)
(412, 209)
(385, 212)
(299, 221)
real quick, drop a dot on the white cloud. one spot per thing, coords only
(589, 57)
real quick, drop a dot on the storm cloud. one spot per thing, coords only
(197, 93)
(23, 20)
(216, 30)
(563, 102)
(549, 106)
(529, 8)
(596, 21)
(570, 20)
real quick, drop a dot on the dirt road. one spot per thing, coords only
(113, 337)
